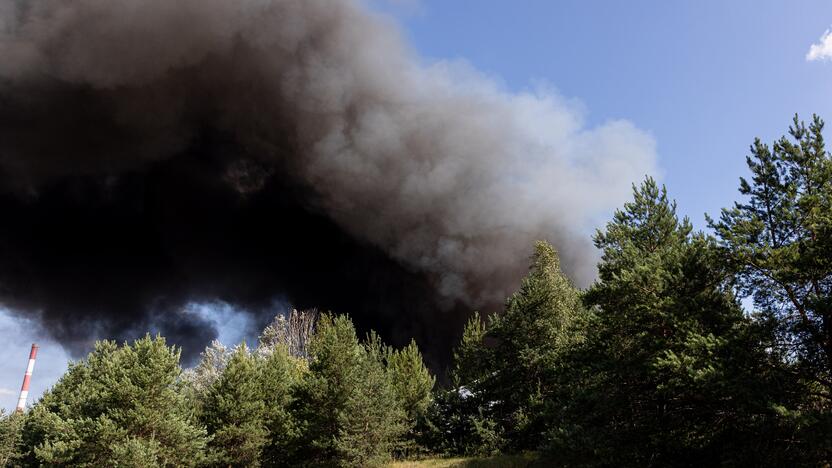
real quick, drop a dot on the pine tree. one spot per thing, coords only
(334, 372)
(346, 404)
(11, 435)
(507, 373)
(458, 421)
(234, 412)
(667, 354)
(542, 321)
(412, 384)
(119, 407)
(279, 373)
(374, 419)
(472, 359)
(779, 240)
(412, 381)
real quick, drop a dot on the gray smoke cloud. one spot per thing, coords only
(436, 165)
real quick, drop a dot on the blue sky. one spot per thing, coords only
(17, 338)
(702, 77)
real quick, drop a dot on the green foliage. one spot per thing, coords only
(347, 403)
(411, 380)
(457, 423)
(373, 419)
(234, 412)
(542, 321)
(279, 373)
(119, 407)
(506, 373)
(321, 399)
(351, 404)
(669, 362)
(472, 359)
(779, 241)
(11, 436)
(412, 384)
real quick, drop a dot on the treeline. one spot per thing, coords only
(656, 364)
(309, 393)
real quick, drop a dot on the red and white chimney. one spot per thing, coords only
(24, 390)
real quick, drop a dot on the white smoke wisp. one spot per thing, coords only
(434, 163)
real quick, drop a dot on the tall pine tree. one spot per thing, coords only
(779, 240)
(346, 404)
(506, 373)
(668, 365)
(234, 412)
(279, 372)
(541, 321)
(412, 383)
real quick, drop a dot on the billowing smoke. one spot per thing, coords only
(157, 153)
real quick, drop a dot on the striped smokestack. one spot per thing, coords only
(24, 390)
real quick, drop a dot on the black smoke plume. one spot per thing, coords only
(156, 153)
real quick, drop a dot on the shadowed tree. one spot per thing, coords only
(779, 240)
(670, 370)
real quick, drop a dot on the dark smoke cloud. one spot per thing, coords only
(155, 153)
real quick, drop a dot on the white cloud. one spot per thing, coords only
(822, 50)
(6, 391)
